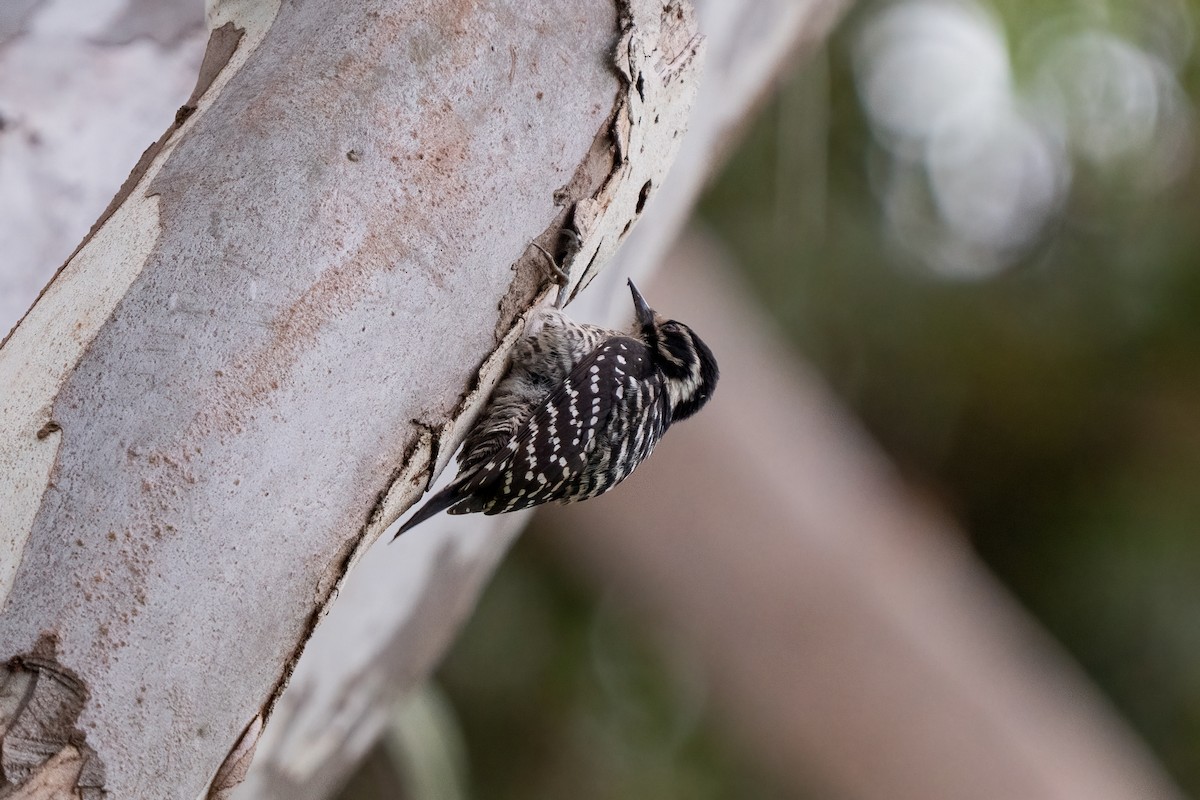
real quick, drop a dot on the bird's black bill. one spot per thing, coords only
(644, 314)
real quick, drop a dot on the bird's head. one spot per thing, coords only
(686, 362)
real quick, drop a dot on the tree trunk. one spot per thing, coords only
(336, 706)
(273, 338)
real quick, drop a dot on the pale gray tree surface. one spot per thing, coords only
(245, 371)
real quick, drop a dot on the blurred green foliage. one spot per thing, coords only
(561, 695)
(1052, 407)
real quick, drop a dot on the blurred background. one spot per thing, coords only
(977, 222)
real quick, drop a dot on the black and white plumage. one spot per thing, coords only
(579, 408)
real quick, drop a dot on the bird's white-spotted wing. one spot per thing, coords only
(587, 434)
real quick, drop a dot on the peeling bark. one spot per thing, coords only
(658, 59)
(237, 763)
(40, 703)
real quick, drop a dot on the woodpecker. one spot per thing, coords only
(578, 409)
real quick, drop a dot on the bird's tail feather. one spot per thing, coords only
(434, 505)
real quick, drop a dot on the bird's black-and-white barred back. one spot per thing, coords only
(579, 408)
(541, 361)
